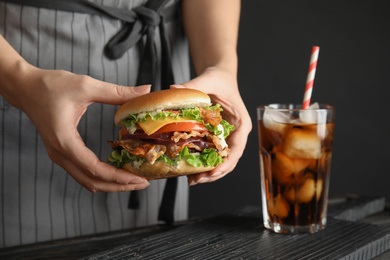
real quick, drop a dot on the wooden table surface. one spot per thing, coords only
(358, 228)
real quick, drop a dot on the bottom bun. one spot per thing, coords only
(160, 169)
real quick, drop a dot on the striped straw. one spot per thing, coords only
(310, 76)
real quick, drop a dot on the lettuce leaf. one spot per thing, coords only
(119, 158)
(189, 113)
(208, 157)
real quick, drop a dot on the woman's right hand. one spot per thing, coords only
(55, 101)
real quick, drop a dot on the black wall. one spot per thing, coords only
(275, 41)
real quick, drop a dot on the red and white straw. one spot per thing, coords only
(310, 76)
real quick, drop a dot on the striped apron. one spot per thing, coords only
(39, 201)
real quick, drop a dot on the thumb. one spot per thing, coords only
(115, 94)
(132, 92)
(176, 86)
(195, 83)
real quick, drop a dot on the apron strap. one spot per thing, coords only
(76, 6)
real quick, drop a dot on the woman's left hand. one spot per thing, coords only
(222, 88)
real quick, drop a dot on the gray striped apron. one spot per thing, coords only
(38, 200)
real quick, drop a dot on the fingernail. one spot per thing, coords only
(192, 183)
(176, 86)
(137, 180)
(217, 174)
(203, 180)
(142, 89)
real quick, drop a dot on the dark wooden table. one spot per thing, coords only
(358, 228)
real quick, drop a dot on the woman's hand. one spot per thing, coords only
(222, 87)
(55, 101)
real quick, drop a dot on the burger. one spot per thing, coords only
(170, 133)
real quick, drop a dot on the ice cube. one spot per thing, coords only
(314, 116)
(289, 193)
(306, 191)
(315, 105)
(302, 144)
(278, 206)
(285, 169)
(323, 164)
(275, 120)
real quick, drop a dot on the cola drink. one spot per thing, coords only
(295, 151)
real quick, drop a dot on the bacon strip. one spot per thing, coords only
(211, 117)
(153, 146)
(151, 152)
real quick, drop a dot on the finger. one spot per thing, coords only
(93, 167)
(76, 153)
(216, 174)
(236, 152)
(211, 176)
(195, 83)
(115, 94)
(197, 178)
(95, 183)
(177, 86)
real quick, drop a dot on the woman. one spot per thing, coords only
(63, 73)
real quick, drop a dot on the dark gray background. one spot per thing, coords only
(275, 42)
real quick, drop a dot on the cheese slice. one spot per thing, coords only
(151, 126)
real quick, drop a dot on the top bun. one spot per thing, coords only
(176, 98)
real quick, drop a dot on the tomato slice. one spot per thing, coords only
(182, 127)
(173, 127)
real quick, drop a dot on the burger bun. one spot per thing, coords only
(161, 169)
(174, 98)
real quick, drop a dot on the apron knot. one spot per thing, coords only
(149, 17)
